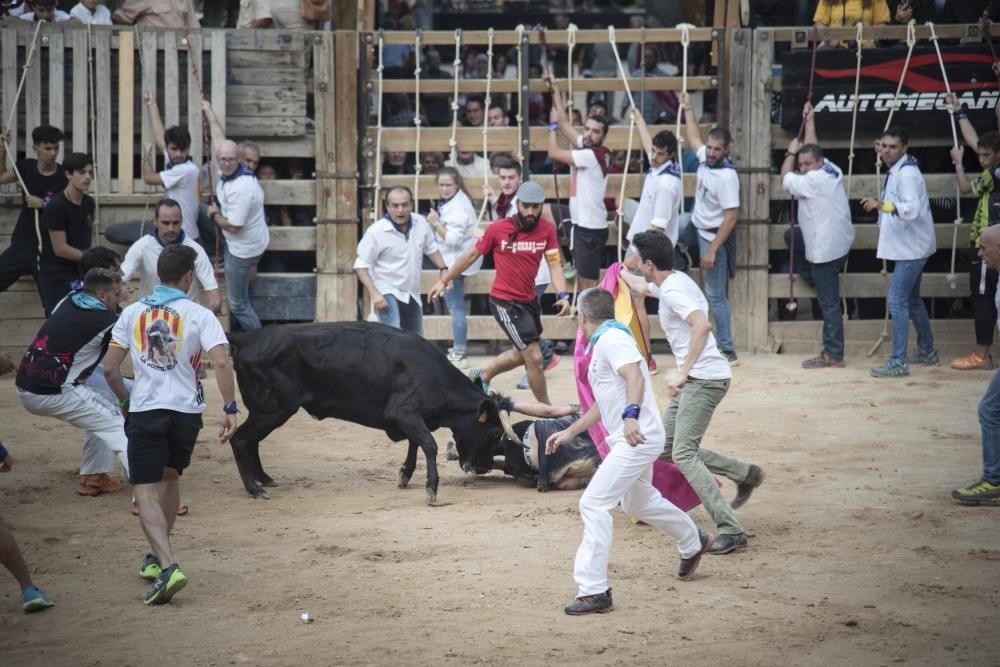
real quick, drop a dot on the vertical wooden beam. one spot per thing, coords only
(32, 86)
(102, 102)
(10, 74)
(126, 110)
(741, 85)
(171, 81)
(81, 128)
(57, 82)
(218, 49)
(759, 194)
(147, 47)
(194, 96)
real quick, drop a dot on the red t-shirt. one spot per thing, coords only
(517, 255)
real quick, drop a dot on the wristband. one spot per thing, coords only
(553, 127)
(3, 452)
(961, 113)
(124, 402)
(230, 408)
(790, 154)
(631, 411)
(563, 295)
(888, 207)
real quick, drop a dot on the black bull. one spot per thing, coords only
(365, 373)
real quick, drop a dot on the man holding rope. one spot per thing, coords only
(43, 177)
(824, 216)
(906, 237)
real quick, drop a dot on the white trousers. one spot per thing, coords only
(625, 477)
(97, 457)
(86, 409)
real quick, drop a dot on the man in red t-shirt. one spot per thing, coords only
(518, 244)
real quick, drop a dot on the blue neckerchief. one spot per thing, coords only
(163, 295)
(830, 169)
(404, 232)
(603, 329)
(240, 171)
(442, 202)
(87, 301)
(725, 163)
(156, 235)
(670, 168)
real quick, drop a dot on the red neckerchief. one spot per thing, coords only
(601, 153)
(503, 203)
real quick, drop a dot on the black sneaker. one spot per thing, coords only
(170, 581)
(731, 357)
(727, 544)
(599, 603)
(689, 565)
(745, 488)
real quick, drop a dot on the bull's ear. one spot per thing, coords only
(487, 409)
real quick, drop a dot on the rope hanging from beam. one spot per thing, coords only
(620, 213)
(377, 187)
(456, 69)
(486, 117)
(418, 167)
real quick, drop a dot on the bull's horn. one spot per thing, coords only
(509, 428)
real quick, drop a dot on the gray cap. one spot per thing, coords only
(530, 193)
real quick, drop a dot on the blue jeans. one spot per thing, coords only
(905, 304)
(989, 422)
(826, 278)
(237, 271)
(716, 284)
(455, 298)
(407, 316)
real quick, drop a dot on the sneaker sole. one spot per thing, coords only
(36, 605)
(975, 502)
(177, 582)
(602, 610)
(697, 560)
(735, 549)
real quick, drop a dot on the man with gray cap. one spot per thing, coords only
(518, 244)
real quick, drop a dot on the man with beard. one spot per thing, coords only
(518, 245)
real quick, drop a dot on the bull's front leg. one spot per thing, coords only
(409, 465)
(419, 436)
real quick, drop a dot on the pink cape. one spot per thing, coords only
(667, 478)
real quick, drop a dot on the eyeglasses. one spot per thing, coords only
(225, 159)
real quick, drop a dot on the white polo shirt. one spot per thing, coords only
(181, 183)
(242, 203)
(587, 186)
(680, 296)
(659, 202)
(909, 232)
(459, 219)
(718, 190)
(824, 212)
(100, 16)
(142, 256)
(394, 259)
(614, 349)
(543, 277)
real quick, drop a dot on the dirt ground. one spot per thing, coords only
(858, 556)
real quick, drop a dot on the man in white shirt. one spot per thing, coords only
(716, 211)
(91, 12)
(45, 10)
(588, 163)
(625, 403)
(824, 217)
(906, 237)
(696, 389)
(143, 255)
(239, 213)
(165, 335)
(390, 256)
(180, 174)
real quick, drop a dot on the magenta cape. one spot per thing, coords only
(667, 478)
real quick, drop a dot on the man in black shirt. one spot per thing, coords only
(970, 11)
(68, 221)
(44, 177)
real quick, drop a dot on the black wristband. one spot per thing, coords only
(563, 295)
(631, 411)
(230, 408)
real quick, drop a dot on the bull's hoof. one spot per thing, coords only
(258, 493)
(403, 480)
(268, 482)
(431, 497)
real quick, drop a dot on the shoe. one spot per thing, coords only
(202, 373)
(727, 544)
(34, 599)
(891, 369)
(689, 565)
(450, 451)
(523, 383)
(823, 361)
(731, 357)
(651, 363)
(135, 508)
(150, 568)
(476, 375)
(745, 488)
(561, 347)
(457, 359)
(591, 604)
(95, 485)
(168, 584)
(182, 509)
(978, 493)
(930, 359)
(552, 361)
(973, 362)
(569, 271)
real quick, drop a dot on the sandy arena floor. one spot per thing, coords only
(858, 555)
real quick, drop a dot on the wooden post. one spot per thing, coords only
(193, 97)
(739, 115)
(149, 75)
(32, 88)
(81, 128)
(57, 80)
(336, 76)
(218, 48)
(102, 103)
(171, 81)
(126, 110)
(10, 74)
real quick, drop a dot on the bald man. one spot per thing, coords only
(238, 211)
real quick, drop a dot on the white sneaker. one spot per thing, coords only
(457, 359)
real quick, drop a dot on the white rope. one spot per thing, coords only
(685, 29)
(618, 59)
(457, 68)
(417, 167)
(517, 115)
(854, 112)
(377, 207)
(911, 40)
(952, 276)
(486, 124)
(620, 213)
(571, 43)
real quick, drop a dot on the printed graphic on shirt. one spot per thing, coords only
(45, 366)
(522, 246)
(157, 334)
